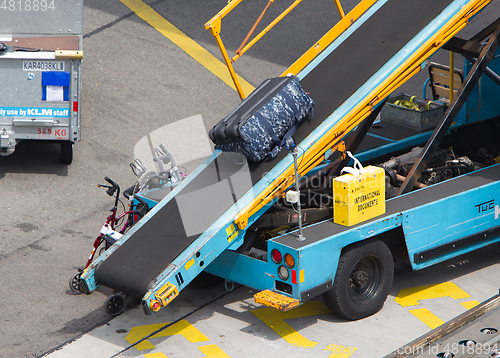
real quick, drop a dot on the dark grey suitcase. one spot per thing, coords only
(258, 127)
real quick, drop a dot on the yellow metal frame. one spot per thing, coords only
(214, 25)
(339, 8)
(315, 154)
(266, 30)
(452, 74)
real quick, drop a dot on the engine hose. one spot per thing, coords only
(458, 166)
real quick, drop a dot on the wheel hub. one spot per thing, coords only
(359, 278)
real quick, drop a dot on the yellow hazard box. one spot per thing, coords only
(359, 197)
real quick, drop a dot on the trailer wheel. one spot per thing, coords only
(362, 282)
(115, 304)
(74, 282)
(66, 152)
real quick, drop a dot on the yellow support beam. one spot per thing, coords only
(266, 30)
(215, 30)
(452, 74)
(214, 25)
(339, 8)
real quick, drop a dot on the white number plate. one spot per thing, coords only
(43, 66)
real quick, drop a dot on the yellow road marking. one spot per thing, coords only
(427, 317)
(192, 48)
(155, 355)
(410, 296)
(212, 351)
(469, 304)
(339, 351)
(184, 328)
(276, 321)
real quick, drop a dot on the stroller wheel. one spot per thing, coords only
(115, 304)
(74, 281)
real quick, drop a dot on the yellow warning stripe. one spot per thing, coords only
(470, 304)
(191, 47)
(426, 316)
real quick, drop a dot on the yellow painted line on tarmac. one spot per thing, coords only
(469, 304)
(183, 328)
(276, 321)
(191, 47)
(212, 351)
(155, 355)
(410, 296)
(426, 316)
(339, 351)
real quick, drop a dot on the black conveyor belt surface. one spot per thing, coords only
(153, 247)
(172, 229)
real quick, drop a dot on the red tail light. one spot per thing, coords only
(276, 256)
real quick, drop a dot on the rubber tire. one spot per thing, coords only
(115, 304)
(74, 283)
(376, 265)
(66, 152)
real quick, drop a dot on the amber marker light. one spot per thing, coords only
(289, 261)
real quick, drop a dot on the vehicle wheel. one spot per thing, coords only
(66, 152)
(74, 281)
(115, 304)
(362, 282)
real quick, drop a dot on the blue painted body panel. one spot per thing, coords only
(449, 219)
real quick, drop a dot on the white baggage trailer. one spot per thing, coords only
(40, 73)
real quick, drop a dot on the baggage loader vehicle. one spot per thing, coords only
(269, 224)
